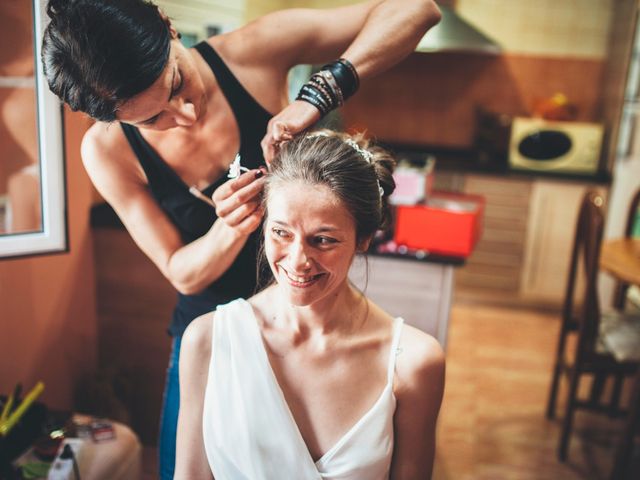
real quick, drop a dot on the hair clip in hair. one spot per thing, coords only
(235, 168)
(317, 134)
(366, 154)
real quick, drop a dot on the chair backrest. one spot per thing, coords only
(585, 259)
(631, 214)
(620, 293)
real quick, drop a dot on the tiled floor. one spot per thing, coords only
(492, 425)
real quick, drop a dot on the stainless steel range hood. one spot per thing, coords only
(455, 34)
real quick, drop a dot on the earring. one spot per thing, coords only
(179, 35)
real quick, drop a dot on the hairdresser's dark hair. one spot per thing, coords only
(97, 54)
(354, 175)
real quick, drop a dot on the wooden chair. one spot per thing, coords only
(620, 293)
(631, 429)
(632, 424)
(582, 318)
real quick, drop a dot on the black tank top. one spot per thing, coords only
(194, 217)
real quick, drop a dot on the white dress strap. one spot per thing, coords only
(393, 352)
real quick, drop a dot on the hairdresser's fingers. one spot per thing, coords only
(237, 200)
(252, 221)
(293, 119)
(228, 188)
(268, 150)
(226, 205)
(235, 218)
(271, 143)
(280, 132)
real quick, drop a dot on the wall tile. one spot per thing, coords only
(544, 27)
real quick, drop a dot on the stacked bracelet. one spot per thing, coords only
(346, 76)
(331, 86)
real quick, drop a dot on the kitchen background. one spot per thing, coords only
(60, 314)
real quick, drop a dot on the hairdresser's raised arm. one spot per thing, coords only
(190, 267)
(372, 36)
(390, 32)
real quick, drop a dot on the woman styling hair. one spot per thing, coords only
(183, 116)
(309, 379)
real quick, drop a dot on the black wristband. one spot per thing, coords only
(350, 66)
(345, 75)
(312, 90)
(309, 93)
(330, 87)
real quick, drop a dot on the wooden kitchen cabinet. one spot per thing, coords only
(496, 263)
(551, 228)
(523, 254)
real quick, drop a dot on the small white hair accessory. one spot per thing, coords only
(319, 133)
(366, 154)
(235, 168)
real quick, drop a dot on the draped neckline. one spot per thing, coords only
(325, 457)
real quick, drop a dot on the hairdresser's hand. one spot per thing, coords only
(295, 118)
(239, 202)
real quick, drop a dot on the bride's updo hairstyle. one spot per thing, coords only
(358, 173)
(96, 54)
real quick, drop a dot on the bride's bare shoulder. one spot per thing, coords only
(262, 304)
(197, 336)
(420, 362)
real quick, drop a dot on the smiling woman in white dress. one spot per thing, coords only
(309, 379)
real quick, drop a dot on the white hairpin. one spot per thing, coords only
(319, 133)
(235, 168)
(366, 154)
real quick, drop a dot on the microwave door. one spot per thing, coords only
(545, 145)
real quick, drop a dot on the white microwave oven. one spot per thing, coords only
(551, 146)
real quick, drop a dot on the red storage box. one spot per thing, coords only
(449, 224)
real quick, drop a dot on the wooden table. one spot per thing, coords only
(621, 258)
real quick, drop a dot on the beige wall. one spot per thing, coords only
(47, 303)
(257, 8)
(320, 3)
(433, 96)
(544, 27)
(193, 16)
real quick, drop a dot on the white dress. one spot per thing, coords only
(249, 430)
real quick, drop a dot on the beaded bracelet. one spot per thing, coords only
(310, 94)
(331, 86)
